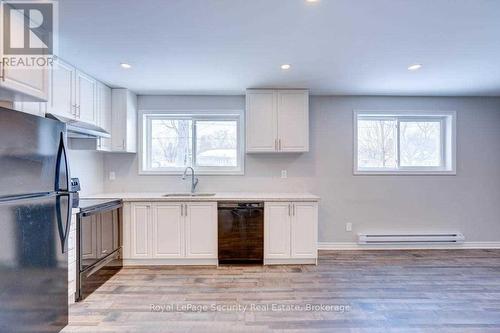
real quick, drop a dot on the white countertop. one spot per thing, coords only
(219, 196)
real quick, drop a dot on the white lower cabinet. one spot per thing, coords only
(290, 232)
(140, 240)
(304, 230)
(277, 230)
(170, 230)
(201, 230)
(163, 233)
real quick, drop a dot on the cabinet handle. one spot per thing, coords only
(279, 144)
(289, 208)
(185, 210)
(182, 210)
(293, 207)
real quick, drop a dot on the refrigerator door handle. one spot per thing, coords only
(62, 151)
(63, 231)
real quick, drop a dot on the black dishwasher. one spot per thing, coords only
(241, 232)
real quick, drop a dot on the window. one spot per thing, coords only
(210, 143)
(404, 142)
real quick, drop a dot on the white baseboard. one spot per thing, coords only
(356, 246)
(161, 262)
(295, 261)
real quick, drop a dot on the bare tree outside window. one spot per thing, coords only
(377, 143)
(208, 143)
(171, 143)
(420, 143)
(404, 142)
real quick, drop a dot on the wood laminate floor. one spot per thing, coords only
(360, 291)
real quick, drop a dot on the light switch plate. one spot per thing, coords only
(348, 226)
(284, 174)
(112, 175)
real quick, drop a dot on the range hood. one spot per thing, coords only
(80, 129)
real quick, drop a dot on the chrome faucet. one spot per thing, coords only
(194, 180)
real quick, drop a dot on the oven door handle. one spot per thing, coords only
(101, 209)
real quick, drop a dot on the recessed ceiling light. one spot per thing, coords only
(286, 66)
(125, 65)
(312, 0)
(414, 67)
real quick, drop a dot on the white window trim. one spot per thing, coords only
(448, 140)
(237, 115)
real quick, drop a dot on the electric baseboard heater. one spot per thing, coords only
(410, 238)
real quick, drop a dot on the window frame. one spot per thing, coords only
(194, 115)
(447, 120)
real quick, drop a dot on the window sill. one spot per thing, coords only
(197, 173)
(404, 173)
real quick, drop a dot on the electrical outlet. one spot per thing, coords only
(348, 226)
(112, 175)
(284, 174)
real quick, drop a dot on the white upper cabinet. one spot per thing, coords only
(124, 121)
(277, 120)
(73, 94)
(261, 118)
(293, 120)
(104, 114)
(62, 90)
(21, 83)
(86, 98)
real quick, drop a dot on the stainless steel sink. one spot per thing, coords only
(189, 195)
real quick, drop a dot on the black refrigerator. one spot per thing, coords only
(35, 217)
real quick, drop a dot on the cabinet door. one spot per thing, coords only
(261, 121)
(168, 230)
(201, 230)
(293, 120)
(140, 231)
(124, 121)
(86, 97)
(62, 90)
(89, 237)
(104, 114)
(304, 230)
(277, 230)
(30, 83)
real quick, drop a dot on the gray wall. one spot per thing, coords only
(468, 202)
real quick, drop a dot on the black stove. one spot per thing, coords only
(98, 228)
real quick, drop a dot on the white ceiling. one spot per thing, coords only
(339, 47)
